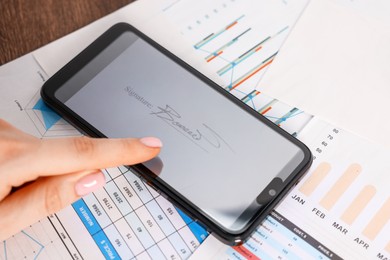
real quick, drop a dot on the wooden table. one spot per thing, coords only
(26, 25)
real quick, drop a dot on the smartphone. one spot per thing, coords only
(222, 162)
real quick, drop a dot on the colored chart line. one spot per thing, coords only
(279, 120)
(41, 247)
(220, 50)
(248, 53)
(250, 96)
(214, 35)
(251, 73)
(33, 239)
(267, 107)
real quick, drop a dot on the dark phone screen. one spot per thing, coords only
(215, 154)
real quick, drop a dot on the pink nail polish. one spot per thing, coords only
(151, 142)
(90, 183)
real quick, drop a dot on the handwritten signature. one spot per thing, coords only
(206, 135)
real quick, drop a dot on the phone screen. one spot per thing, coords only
(215, 154)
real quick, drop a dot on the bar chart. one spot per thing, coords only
(339, 210)
(359, 203)
(345, 192)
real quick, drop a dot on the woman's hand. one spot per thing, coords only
(50, 174)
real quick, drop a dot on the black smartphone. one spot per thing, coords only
(222, 162)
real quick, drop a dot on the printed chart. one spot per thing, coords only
(279, 238)
(39, 241)
(46, 121)
(239, 39)
(339, 210)
(129, 219)
(126, 219)
(347, 191)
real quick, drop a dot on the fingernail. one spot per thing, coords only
(151, 142)
(90, 183)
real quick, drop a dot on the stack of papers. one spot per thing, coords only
(317, 69)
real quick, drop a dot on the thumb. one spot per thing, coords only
(43, 197)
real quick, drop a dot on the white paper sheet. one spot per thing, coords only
(335, 65)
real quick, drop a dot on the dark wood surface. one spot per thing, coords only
(26, 25)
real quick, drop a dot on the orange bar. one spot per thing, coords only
(266, 110)
(315, 178)
(259, 48)
(253, 73)
(340, 186)
(231, 25)
(214, 56)
(387, 248)
(378, 221)
(358, 204)
(245, 253)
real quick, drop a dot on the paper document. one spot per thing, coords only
(232, 42)
(339, 210)
(335, 65)
(341, 207)
(238, 40)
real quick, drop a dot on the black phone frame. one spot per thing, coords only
(83, 58)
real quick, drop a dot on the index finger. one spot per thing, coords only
(60, 156)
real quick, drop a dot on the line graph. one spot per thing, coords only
(239, 42)
(212, 36)
(36, 242)
(46, 121)
(219, 51)
(248, 53)
(251, 73)
(41, 247)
